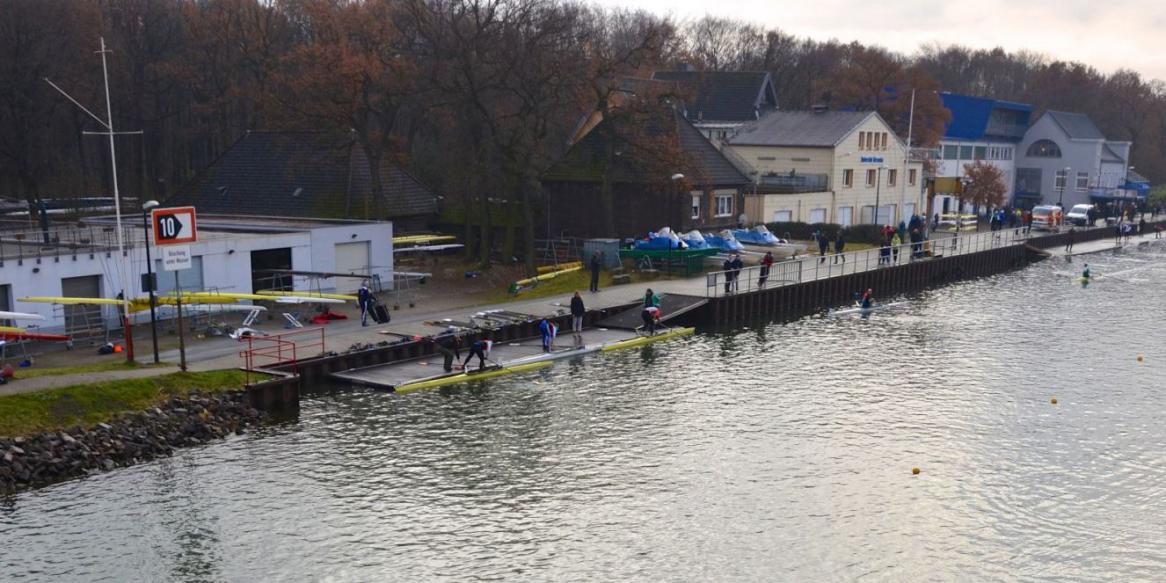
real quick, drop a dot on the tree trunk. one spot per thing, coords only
(529, 187)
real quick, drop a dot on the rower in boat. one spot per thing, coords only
(867, 300)
(1085, 274)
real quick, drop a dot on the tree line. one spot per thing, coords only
(476, 97)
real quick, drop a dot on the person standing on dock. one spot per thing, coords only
(651, 316)
(366, 300)
(1070, 237)
(766, 264)
(1142, 226)
(896, 242)
(823, 244)
(596, 264)
(736, 265)
(448, 346)
(577, 312)
(839, 247)
(547, 330)
(727, 269)
(651, 299)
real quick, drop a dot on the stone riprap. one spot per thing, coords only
(130, 439)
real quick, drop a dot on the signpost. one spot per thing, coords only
(174, 230)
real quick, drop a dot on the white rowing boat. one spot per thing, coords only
(861, 310)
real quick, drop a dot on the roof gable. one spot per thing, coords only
(301, 174)
(724, 96)
(972, 118)
(1077, 126)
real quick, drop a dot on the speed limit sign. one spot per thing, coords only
(174, 226)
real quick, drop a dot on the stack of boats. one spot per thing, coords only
(727, 241)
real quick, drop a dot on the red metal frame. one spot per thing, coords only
(275, 350)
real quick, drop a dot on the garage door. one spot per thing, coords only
(80, 320)
(351, 258)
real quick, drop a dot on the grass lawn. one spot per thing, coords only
(89, 404)
(562, 286)
(53, 371)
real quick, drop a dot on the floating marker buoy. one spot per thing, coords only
(1054, 401)
(914, 471)
(1139, 358)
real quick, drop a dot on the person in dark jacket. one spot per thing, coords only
(596, 264)
(766, 264)
(736, 265)
(479, 348)
(839, 248)
(449, 347)
(651, 299)
(823, 244)
(577, 312)
(365, 299)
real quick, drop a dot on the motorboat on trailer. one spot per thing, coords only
(761, 236)
(725, 241)
(662, 240)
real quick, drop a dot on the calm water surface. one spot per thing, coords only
(774, 453)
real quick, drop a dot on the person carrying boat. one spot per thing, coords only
(766, 263)
(548, 331)
(651, 316)
(449, 347)
(480, 348)
(577, 312)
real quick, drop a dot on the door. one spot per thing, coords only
(351, 258)
(6, 302)
(263, 262)
(81, 319)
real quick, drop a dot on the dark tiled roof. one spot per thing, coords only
(821, 129)
(301, 174)
(1077, 125)
(705, 165)
(728, 96)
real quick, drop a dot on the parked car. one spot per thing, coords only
(1080, 215)
(1047, 218)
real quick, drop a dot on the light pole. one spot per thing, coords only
(878, 191)
(153, 285)
(1061, 192)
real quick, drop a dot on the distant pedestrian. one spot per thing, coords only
(650, 316)
(896, 242)
(823, 244)
(479, 348)
(366, 301)
(651, 299)
(577, 313)
(547, 330)
(736, 265)
(596, 264)
(727, 271)
(885, 251)
(1142, 226)
(448, 346)
(1158, 231)
(839, 247)
(1070, 237)
(766, 264)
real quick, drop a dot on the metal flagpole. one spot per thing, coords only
(907, 159)
(123, 259)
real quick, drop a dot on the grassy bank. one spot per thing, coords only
(53, 371)
(89, 404)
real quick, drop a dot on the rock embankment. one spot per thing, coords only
(128, 440)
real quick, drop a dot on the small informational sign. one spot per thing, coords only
(176, 257)
(871, 159)
(174, 226)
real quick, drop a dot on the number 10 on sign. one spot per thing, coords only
(174, 226)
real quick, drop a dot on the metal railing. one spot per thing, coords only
(814, 267)
(33, 243)
(269, 351)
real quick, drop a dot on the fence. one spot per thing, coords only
(813, 267)
(277, 349)
(57, 241)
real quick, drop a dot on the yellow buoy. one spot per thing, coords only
(914, 471)
(1139, 358)
(1054, 401)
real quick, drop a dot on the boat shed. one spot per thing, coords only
(233, 254)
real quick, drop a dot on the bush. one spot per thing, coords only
(805, 231)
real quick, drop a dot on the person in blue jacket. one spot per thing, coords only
(547, 330)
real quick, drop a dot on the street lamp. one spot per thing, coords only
(153, 285)
(1061, 192)
(878, 190)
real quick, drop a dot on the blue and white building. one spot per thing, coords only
(981, 130)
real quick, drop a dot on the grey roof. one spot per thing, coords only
(301, 174)
(729, 96)
(1108, 155)
(1077, 126)
(799, 128)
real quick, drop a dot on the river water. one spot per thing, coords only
(780, 452)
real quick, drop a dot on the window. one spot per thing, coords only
(892, 177)
(884, 140)
(1044, 149)
(911, 177)
(965, 152)
(817, 216)
(845, 215)
(980, 153)
(783, 216)
(724, 205)
(951, 152)
(1059, 181)
(868, 215)
(871, 177)
(696, 206)
(861, 140)
(848, 177)
(1082, 181)
(909, 209)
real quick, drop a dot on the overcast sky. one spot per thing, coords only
(1106, 34)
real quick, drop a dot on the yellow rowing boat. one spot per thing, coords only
(469, 376)
(643, 340)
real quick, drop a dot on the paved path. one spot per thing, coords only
(19, 385)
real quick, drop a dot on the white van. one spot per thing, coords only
(1047, 218)
(1079, 215)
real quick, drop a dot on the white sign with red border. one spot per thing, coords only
(174, 226)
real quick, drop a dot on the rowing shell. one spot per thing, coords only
(465, 377)
(861, 310)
